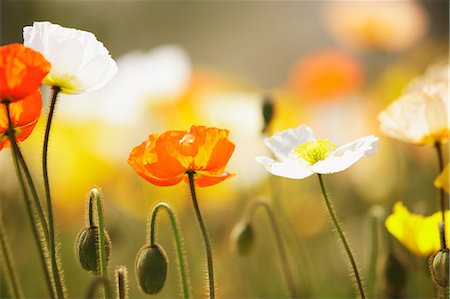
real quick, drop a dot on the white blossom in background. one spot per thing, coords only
(420, 116)
(79, 61)
(299, 154)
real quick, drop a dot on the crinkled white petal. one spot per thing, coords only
(347, 155)
(289, 169)
(282, 143)
(77, 57)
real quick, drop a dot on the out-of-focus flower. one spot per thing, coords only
(79, 61)
(21, 72)
(326, 75)
(24, 116)
(421, 115)
(164, 159)
(442, 181)
(382, 25)
(300, 154)
(418, 233)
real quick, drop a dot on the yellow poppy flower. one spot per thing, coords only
(420, 234)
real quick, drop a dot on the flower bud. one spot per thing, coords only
(439, 267)
(86, 249)
(151, 268)
(267, 111)
(243, 236)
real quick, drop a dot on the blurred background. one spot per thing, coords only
(331, 65)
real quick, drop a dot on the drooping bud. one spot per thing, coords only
(439, 267)
(86, 249)
(267, 111)
(151, 268)
(242, 237)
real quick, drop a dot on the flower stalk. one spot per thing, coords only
(7, 259)
(121, 282)
(39, 237)
(438, 147)
(343, 239)
(209, 257)
(278, 241)
(178, 242)
(51, 226)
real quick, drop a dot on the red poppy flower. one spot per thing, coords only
(24, 116)
(21, 71)
(164, 159)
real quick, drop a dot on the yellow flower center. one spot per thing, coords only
(314, 151)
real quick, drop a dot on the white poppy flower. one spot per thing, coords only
(79, 61)
(300, 154)
(421, 115)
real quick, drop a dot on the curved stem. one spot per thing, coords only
(178, 243)
(33, 221)
(343, 240)
(95, 196)
(278, 240)
(209, 258)
(438, 147)
(51, 226)
(9, 265)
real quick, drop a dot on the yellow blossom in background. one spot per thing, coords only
(420, 234)
(442, 181)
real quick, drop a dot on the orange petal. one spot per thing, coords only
(21, 71)
(220, 155)
(24, 116)
(205, 179)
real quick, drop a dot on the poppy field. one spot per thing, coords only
(242, 149)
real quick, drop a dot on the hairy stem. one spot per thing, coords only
(204, 234)
(121, 282)
(14, 285)
(37, 234)
(178, 242)
(95, 283)
(342, 238)
(51, 225)
(278, 241)
(440, 156)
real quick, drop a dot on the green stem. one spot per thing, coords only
(95, 196)
(343, 240)
(209, 258)
(33, 221)
(9, 265)
(95, 283)
(278, 241)
(371, 277)
(438, 147)
(178, 242)
(51, 226)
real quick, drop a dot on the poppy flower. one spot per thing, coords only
(418, 233)
(24, 116)
(421, 115)
(300, 154)
(164, 159)
(21, 71)
(79, 61)
(326, 75)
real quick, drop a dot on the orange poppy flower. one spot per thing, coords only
(164, 159)
(24, 116)
(21, 71)
(326, 75)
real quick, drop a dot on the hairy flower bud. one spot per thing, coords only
(267, 111)
(243, 236)
(151, 268)
(439, 267)
(86, 249)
